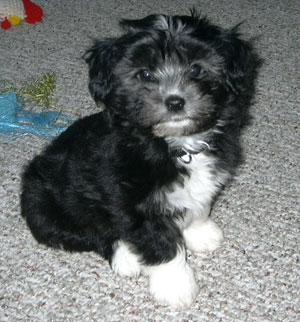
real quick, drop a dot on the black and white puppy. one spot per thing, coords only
(135, 182)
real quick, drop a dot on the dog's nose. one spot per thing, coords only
(175, 103)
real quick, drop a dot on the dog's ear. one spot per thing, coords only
(101, 58)
(139, 25)
(236, 53)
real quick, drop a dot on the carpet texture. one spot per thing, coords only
(254, 276)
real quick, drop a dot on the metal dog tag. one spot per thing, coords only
(186, 158)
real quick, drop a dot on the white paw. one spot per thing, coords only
(173, 283)
(124, 261)
(202, 237)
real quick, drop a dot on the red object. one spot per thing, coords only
(5, 24)
(33, 12)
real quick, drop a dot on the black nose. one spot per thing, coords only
(175, 103)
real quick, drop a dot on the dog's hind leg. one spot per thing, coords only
(125, 261)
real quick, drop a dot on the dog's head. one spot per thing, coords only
(173, 75)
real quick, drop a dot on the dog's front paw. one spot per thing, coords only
(201, 237)
(124, 261)
(173, 284)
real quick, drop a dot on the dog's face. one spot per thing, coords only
(171, 75)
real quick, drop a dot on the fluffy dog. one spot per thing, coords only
(135, 182)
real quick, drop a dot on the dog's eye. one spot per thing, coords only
(145, 75)
(196, 71)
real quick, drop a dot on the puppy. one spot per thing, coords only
(135, 182)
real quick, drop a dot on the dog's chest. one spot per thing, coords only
(199, 187)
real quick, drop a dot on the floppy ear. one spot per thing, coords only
(101, 59)
(236, 54)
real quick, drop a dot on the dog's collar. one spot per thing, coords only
(184, 154)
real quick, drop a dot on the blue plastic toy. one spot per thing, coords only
(16, 121)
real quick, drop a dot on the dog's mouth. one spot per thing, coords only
(175, 126)
(178, 122)
(183, 126)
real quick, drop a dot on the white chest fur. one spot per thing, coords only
(199, 188)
